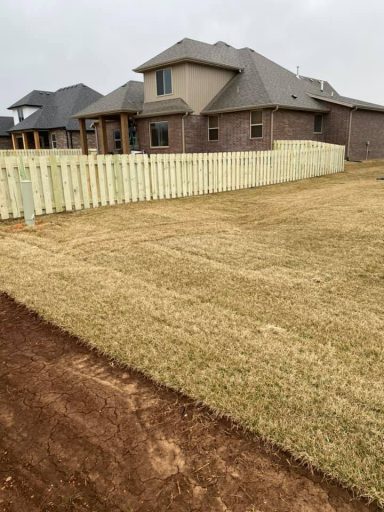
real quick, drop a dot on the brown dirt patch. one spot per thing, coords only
(78, 433)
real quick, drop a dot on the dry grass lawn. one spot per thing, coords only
(266, 304)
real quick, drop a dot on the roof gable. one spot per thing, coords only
(127, 98)
(219, 54)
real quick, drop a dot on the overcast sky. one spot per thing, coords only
(48, 44)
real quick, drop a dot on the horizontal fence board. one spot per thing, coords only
(64, 181)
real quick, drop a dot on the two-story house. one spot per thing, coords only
(199, 97)
(43, 119)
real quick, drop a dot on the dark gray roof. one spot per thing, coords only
(58, 111)
(127, 98)
(6, 124)
(258, 81)
(165, 107)
(219, 54)
(34, 99)
(348, 102)
(263, 83)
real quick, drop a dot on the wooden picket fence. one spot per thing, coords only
(67, 183)
(38, 152)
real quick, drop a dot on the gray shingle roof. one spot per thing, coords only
(219, 54)
(263, 83)
(348, 102)
(34, 99)
(127, 98)
(260, 82)
(6, 124)
(57, 112)
(165, 107)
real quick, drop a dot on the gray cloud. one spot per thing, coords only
(49, 44)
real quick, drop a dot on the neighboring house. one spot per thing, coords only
(43, 119)
(199, 97)
(6, 124)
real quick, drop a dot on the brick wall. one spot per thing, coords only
(61, 139)
(337, 124)
(110, 127)
(367, 126)
(296, 124)
(6, 143)
(234, 131)
(174, 134)
(91, 138)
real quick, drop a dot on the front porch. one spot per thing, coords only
(115, 133)
(35, 139)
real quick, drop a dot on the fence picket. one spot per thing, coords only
(63, 181)
(66, 184)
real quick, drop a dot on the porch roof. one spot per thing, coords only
(127, 98)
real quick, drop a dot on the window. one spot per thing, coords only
(117, 139)
(53, 140)
(164, 81)
(159, 134)
(256, 121)
(20, 114)
(213, 128)
(318, 123)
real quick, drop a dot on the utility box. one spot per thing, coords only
(28, 203)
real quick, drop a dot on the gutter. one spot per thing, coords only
(349, 131)
(272, 112)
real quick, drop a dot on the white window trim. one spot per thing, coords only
(53, 143)
(166, 93)
(217, 128)
(322, 124)
(256, 124)
(150, 135)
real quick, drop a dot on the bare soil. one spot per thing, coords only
(78, 433)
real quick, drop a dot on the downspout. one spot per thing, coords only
(272, 112)
(183, 130)
(349, 131)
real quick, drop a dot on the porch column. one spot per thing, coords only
(124, 133)
(25, 140)
(103, 136)
(14, 140)
(36, 139)
(83, 137)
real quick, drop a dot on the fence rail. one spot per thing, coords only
(67, 183)
(38, 152)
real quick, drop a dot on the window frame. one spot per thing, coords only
(256, 124)
(322, 124)
(213, 128)
(53, 141)
(117, 139)
(20, 114)
(150, 134)
(164, 93)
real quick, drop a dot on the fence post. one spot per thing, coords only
(28, 203)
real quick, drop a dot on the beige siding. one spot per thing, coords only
(203, 83)
(194, 83)
(178, 84)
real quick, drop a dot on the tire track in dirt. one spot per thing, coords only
(79, 434)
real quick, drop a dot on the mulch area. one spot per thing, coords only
(78, 433)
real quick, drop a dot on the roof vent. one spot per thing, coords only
(294, 96)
